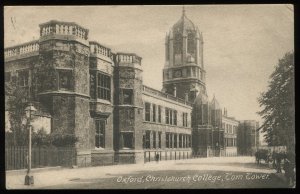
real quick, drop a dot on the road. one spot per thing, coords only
(233, 172)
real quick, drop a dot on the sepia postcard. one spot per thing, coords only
(149, 97)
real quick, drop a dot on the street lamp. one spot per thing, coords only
(29, 178)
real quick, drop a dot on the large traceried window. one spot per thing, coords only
(191, 48)
(100, 134)
(178, 44)
(103, 87)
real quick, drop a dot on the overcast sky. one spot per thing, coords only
(242, 43)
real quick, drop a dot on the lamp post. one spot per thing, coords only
(29, 177)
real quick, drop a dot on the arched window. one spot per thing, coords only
(191, 43)
(178, 44)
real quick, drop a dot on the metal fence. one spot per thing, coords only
(17, 157)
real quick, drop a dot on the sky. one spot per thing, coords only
(242, 43)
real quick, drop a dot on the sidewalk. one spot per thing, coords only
(58, 176)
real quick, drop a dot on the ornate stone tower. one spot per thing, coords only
(63, 81)
(128, 108)
(184, 74)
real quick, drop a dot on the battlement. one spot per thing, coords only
(22, 50)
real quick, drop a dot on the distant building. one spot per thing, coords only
(230, 126)
(248, 137)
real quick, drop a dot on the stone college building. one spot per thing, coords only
(80, 87)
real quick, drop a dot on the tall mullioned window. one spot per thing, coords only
(191, 43)
(147, 140)
(100, 134)
(103, 87)
(159, 114)
(159, 139)
(167, 140)
(167, 115)
(175, 117)
(154, 113)
(154, 139)
(147, 111)
(23, 77)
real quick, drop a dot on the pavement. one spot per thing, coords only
(58, 176)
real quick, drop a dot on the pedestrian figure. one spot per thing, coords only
(287, 171)
(274, 159)
(157, 158)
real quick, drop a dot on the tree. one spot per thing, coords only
(16, 101)
(278, 104)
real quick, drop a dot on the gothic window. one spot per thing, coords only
(184, 119)
(147, 111)
(127, 96)
(178, 44)
(191, 43)
(154, 139)
(23, 77)
(93, 85)
(159, 114)
(128, 140)
(100, 134)
(7, 76)
(147, 141)
(103, 87)
(154, 113)
(64, 77)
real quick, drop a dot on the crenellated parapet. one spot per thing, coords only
(99, 51)
(21, 51)
(63, 30)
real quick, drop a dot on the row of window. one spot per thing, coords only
(232, 129)
(100, 86)
(173, 140)
(230, 142)
(170, 115)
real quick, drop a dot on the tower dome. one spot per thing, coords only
(215, 104)
(184, 25)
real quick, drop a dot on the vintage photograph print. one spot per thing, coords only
(149, 97)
